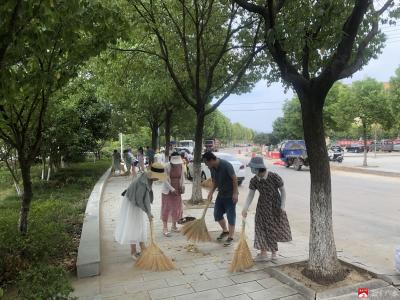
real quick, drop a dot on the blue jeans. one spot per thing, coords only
(222, 206)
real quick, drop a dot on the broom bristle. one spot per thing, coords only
(196, 231)
(242, 258)
(154, 259)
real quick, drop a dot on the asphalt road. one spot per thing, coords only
(366, 212)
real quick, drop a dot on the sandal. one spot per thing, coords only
(185, 220)
(135, 256)
(222, 235)
(166, 233)
(228, 242)
(175, 230)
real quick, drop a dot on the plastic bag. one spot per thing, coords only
(397, 259)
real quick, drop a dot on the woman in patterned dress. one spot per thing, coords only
(271, 222)
(173, 188)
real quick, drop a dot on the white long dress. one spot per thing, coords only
(131, 224)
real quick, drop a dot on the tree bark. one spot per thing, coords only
(26, 196)
(323, 265)
(365, 164)
(168, 119)
(154, 136)
(197, 194)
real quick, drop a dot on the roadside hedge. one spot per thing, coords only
(37, 265)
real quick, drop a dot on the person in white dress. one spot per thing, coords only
(131, 224)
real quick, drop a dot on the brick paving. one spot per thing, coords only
(202, 274)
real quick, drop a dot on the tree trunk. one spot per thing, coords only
(168, 119)
(154, 136)
(62, 163)
(26, 196)
(49, 168)
(323, 265)
(43, 167)
(197, 194)
(365, 144)
(13, 173)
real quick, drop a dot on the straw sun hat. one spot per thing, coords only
(157, 171)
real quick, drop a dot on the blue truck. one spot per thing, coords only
(294, 153)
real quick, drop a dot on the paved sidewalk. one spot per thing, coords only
(200, 274)
(386, 165)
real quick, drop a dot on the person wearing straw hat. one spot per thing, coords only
(131, 224)
(271, 222)
(173, 188)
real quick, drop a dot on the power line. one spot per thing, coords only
(249, 103)
(246, 110)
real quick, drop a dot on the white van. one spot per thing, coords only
(188, 144)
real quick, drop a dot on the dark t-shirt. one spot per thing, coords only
(150, 153)
(223, 177)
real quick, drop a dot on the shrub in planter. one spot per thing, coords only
(44, 282)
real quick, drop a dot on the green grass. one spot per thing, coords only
(54, 227)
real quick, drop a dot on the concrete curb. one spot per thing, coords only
(308, 293)
(392, 278)
(366, 171)
(88, 262)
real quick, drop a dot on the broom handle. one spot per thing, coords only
(205, 209)
(243, 225)
(151, 231)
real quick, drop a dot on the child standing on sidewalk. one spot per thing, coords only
(271, 222)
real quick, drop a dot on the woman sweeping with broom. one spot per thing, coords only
(135, 207)
(271, 222)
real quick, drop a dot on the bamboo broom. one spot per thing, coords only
(196, 230)
(153, 258)
(242, 258)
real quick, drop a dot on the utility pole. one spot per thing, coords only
(376, 139)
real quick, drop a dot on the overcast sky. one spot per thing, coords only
(259, 109)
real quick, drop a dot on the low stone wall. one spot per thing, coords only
(88, 262)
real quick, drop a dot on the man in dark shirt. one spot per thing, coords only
(224, 178)
(150, 153)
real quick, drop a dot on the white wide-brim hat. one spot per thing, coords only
(176, 160)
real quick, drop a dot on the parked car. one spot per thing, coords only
(387, 145)
(375, 146)
(180, 149)
(355, 148)
(188, 144)
(206, 173)
(211, 145)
